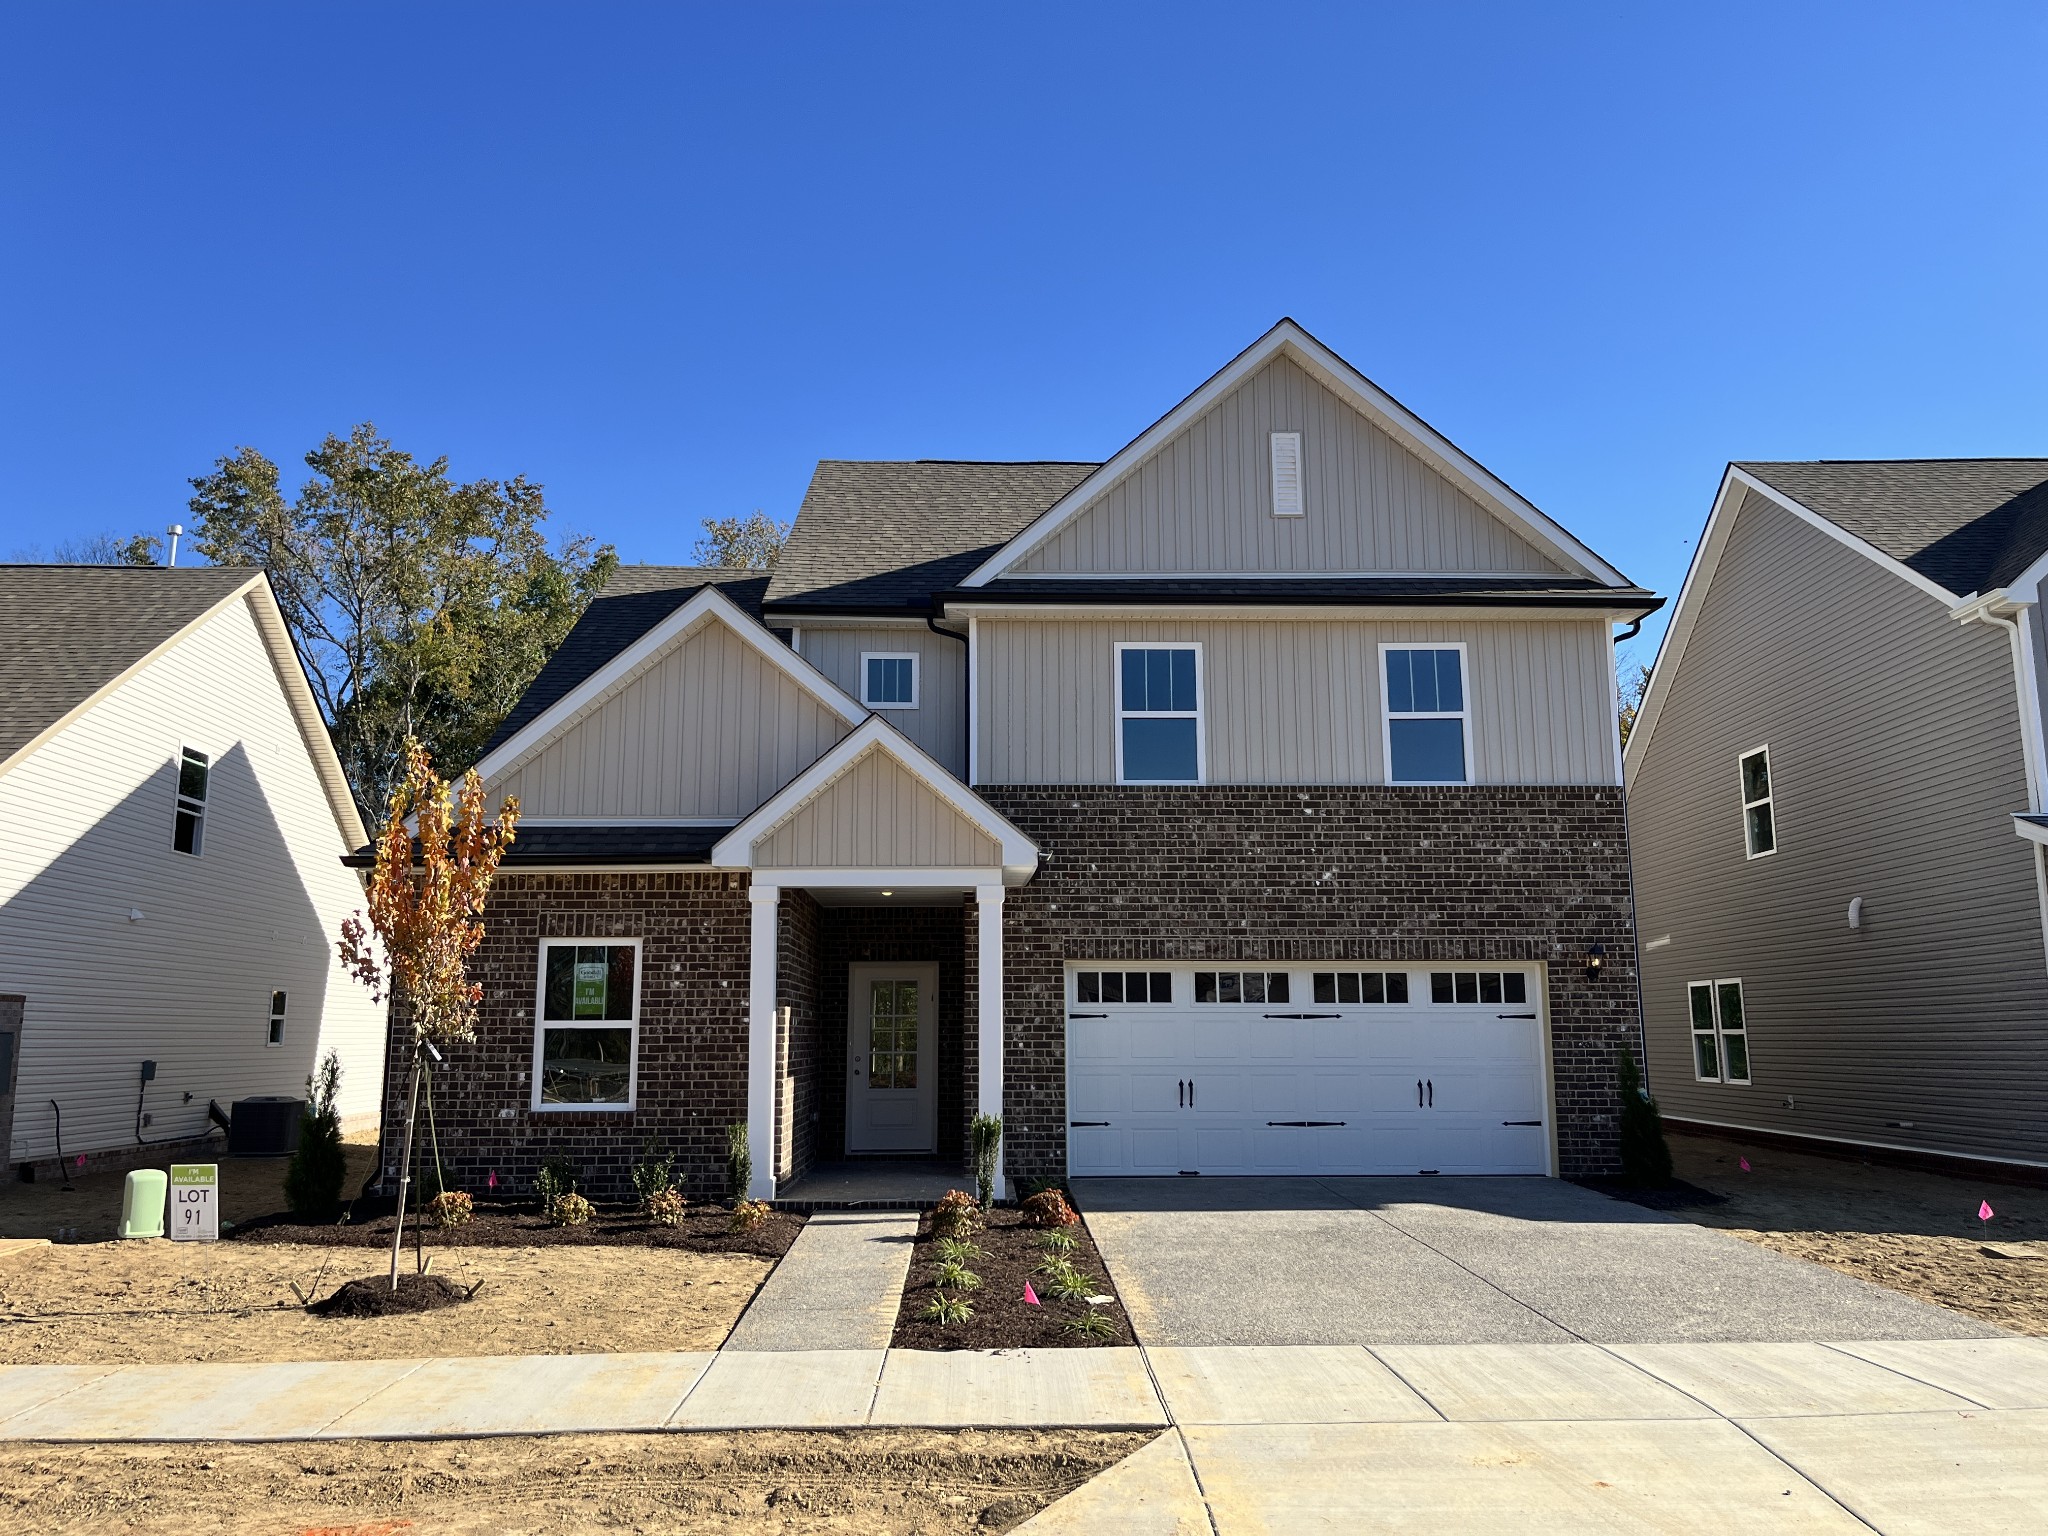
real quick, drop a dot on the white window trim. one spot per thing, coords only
(1692, 1033)
(276, 1016)
(1388, 716)
(868, 656)
(1274, 442)
(541, 1024)
(1200, 711)
(178, 798)
(1770, 799)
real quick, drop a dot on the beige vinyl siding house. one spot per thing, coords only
(125, 949)
(1896, 763)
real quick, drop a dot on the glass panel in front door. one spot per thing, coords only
(892, 1034)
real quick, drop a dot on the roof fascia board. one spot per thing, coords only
(1598, 608)
(736, 848)
(1410, 430)
(826, 618)
(709, 604)
(290, 667)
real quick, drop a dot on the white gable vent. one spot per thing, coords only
(1287, 474)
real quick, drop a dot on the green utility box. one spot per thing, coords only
(142, 1203)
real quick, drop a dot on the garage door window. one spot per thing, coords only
(1720, 1032)
(1478, 987)
(1361, 986)
(1240, 986)
(1123, 986)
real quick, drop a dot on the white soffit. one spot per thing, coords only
(1381, 408)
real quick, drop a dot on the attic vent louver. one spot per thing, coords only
(1287, 474)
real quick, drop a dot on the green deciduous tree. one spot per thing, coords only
(422, 606)
(95, 549)
(751, 543)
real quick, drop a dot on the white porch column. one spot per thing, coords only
(988, 906)
(766, 901)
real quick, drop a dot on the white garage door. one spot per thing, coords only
(1304, 1071)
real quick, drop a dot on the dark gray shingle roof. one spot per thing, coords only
(1966, 524)
(862, 523)
(637, 598)
(66, 631)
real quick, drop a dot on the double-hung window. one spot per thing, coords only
(1759, 822)
(188, 828)
(1159, 714)
(1720, 1032)
(1427, 723)
(587, 1033)
(276, 1035)
(888, 680)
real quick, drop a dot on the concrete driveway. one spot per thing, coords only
(1460, 1261)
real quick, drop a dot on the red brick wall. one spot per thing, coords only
(1288, 874)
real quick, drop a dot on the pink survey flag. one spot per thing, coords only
(1745, 1163)
(1984, 1211)
(1030, 1296)
(494, 1178)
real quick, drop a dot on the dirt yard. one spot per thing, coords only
(875, 1482)
(1910, 1230)
(249, 1187)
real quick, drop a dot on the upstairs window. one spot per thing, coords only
(888, 680)
(276, 1036)
(1427, 723)
(1720, 1032)
(1759, 825)
(189, 828)
(1159, 716)
(589, 1024)
(1287, 474)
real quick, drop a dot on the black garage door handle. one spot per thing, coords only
(1521, 1122)
(1071, 1124)
(1104, 1015)
(1514, 1015)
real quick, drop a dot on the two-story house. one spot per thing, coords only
(1248, 803)
(1836, 789)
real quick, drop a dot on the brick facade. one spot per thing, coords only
(1293, 874)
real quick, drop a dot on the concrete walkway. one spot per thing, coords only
(1946, 1435)
(838, 1287)
(1460, 1261)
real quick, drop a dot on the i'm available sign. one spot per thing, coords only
(195, 1202)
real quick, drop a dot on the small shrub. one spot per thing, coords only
(1048, 1208)
(986, 1132)
(946, 1310)
(739, 1160)
(1058, 1241)
(319, 1168)
(958, 1250)
(570, 1209)
(450, 1208)
(665, 1206)
(653, 1177)
(1092, 1325)
(1071, 1285)
(1054, 1264)
(955, 1277)
(1645, 1158)
(749, 1214)
(956, 1215)
(557, 1177)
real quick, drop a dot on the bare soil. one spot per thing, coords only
(1911, 1230)
(873, 1482)
(250, 1187)
(704, 1229)
(1002, 1318)
(162, 1302)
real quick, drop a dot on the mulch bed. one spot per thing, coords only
(372, 1296)
(368, 1225)
(1002, 1319)
(1675, 1196)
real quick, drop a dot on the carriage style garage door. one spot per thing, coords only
(1305, 1071)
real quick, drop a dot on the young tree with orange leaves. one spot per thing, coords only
(426, 900)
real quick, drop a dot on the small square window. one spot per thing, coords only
(1088, 987)
(888, 680)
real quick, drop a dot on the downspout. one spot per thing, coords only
(931, 622)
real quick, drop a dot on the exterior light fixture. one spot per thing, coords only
(1595, 958)
(888, 893)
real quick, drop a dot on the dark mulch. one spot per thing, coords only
(1675, 1196)
(368, 1225)
(372, 1296)
(1002, 1320)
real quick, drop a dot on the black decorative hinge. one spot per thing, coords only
(1305, 1123)
(1521, 1122)
(1071, 1124)
(1104, 1015)
(1514, 1015)
(1304, 1015)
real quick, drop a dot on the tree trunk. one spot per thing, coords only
(412, 1104)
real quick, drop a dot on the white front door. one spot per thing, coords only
(892, 1058)
(1315, 1070)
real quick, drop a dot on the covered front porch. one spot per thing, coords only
(875, 992)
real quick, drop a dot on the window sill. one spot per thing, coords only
(580, 1109)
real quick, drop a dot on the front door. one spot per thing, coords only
(892, 1058)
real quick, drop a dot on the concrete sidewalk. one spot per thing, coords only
(838, 1287)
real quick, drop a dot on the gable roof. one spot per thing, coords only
(637, 598)
(888, 535)
(1354, 388)
(1967, 525)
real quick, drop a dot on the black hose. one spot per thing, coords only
(63, 1167)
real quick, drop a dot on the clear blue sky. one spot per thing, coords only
(663, 258)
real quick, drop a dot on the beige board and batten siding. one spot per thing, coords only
(709, 729)
(876, 814)
(1204, 501)
(939, 722)
(1294, 701)
(188, 984)
(1895, 767)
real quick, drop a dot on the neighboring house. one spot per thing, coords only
(1835, 797)
(170, 882)
(1249, 803)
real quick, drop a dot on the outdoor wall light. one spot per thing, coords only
(1595, 958)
